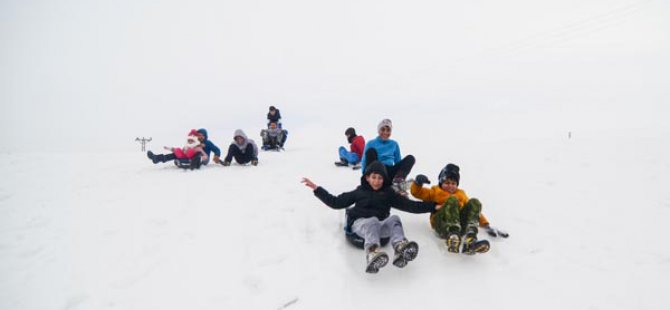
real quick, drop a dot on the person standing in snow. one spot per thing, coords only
(387, 151)
(370, 216)
(193, 151)
(459, 216)
(357, 144)
(243, 149)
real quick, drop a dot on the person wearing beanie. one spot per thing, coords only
(386, 150)
(458, 219)
(356, 146)
(191, 155)
(274, 116)
(370, 216)
(242, 149)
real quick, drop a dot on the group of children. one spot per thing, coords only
(198, 148)
(453, 216)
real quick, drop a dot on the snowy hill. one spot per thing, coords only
(554, 110)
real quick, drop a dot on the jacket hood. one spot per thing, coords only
(203, 132)
(240, 133)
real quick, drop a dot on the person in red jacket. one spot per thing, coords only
(355, 153)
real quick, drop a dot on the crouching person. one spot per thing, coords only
(243, 150)
(370, 216)
(274, 137)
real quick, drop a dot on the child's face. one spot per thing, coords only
(239, 140)
(385, 133)
(273, 125)
(375, 180)
(449, 186)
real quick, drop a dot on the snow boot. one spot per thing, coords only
(405, 252)
(400, 186)
(472, 246)
(453, 243)
(375, 260)
(152, 156)
(254, 162)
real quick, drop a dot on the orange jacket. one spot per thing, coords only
(437, 195)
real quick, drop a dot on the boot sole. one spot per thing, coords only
(376, 264)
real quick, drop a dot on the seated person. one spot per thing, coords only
(357, 144)
(273, 137)
(193, 151)
(243, 150)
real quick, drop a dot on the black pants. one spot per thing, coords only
(399, 170)
(240, 157)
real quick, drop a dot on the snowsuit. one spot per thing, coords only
(388, 152)
(356, 153)
(273, 138)
(459, 214)
(209, 146)
(243, 153)
(370, 216)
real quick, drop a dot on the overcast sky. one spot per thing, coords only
(93, 75)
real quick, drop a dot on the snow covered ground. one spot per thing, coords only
(554, 110)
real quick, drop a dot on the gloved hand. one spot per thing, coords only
(421, 179)
(495, 232)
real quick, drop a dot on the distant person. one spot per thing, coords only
(273, 137)
(387, 151)
(459, 216)
(274, 116)
(193, 151)
(243, 150)
(370, 216)
(210, 147)
(356, 146)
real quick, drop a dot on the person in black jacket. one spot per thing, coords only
(274, 116)
(370, 216)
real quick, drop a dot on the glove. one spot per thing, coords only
(494, 232)
(421, 180)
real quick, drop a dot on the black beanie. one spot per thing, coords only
(376, 167)
(451, 172)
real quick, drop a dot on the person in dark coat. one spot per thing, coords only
(370, 216)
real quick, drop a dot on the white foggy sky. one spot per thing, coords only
(90, 75)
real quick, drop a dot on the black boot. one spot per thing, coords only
(152, 156)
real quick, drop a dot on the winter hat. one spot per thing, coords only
(385, 123)
(376, 167)
(272, 108)
(451, 172)
(350, 132)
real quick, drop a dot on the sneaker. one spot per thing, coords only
(341, 163)
(226, 163)
(405, 252)
(375, 260)
(453, 243)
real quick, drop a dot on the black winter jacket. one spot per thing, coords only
(368, 202)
